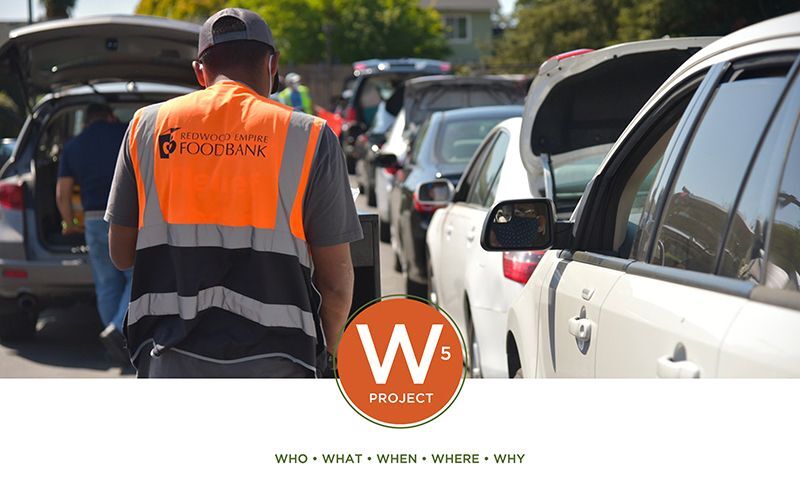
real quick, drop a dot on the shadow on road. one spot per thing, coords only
(66, 338)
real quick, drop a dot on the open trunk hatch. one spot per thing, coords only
(588, 100)
(426, 95)
(50, 56)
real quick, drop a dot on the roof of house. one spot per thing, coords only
(479, 5)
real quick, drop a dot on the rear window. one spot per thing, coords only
(374, 91)
(460, 139)
(445, 98)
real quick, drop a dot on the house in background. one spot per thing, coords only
(469, 26)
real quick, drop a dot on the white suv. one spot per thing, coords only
(682, 258)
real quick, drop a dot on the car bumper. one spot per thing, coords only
(490, 329)
(45, 279)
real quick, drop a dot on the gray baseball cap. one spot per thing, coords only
(255, 28)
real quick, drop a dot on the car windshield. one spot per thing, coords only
(459, 139)
(573, 170)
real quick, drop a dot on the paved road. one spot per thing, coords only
(66, 344)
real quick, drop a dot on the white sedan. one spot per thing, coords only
(474, 286)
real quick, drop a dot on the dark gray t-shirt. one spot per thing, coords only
(329, 214)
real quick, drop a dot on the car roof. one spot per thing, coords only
(403, 64)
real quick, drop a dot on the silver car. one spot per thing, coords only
(58, 68)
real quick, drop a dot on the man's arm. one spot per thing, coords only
(331, 224)
(333, 277)
(64, 187)
(122, 212)
(122, 245)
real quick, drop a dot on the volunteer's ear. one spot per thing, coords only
(199, 73)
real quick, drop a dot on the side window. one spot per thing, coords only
(783, 266)
(465, 185)
(479, 193)
(634, 195)
(695, 216)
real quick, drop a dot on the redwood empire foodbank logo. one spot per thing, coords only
(211, 144)
(400, 362)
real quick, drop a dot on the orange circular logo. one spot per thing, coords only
(400, 362)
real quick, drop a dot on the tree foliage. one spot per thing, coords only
(307, 31)
(57, 8)
(542, 28)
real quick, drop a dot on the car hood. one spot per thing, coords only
(588, 100)
(50, 56)
(426, 95)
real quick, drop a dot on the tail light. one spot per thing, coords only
(13, 273)
(11, 196)
(391, 171)
(519, 266)
(445, 67)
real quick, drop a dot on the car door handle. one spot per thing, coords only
(448, 231)
(471, 235)
(580, 328)
(669, 368)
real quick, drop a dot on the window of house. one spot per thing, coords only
(457, 27)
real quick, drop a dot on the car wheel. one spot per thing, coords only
(414, 288)
(474, 351)
(385, 231)
(16, 323)
(432, 295)
(372, 200)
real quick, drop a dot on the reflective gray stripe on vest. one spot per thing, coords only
(268, 315)
(231, 237)
(146, 151)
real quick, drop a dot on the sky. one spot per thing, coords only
(18, 9)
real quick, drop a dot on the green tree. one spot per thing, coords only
(57, 8)
(546, 27)
(542, 28)
(309, 31)
(192, 10)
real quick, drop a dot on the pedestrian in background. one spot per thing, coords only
(296, 95)
(88, 161)
(235, 212)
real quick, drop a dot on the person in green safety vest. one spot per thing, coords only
(296, 95)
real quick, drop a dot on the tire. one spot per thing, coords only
(372, 200)
(16, 323)
(398, 267)
(472, 347)
(432, 295)
(385, 231)
(414, 288)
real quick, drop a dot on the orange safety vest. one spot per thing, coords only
(222, 270)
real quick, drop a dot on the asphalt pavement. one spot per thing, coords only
(67, 344)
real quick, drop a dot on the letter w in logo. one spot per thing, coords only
(399, 340)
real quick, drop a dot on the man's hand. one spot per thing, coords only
(333, 276)
(68, 229)
(64, 187)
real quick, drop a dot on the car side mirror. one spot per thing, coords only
(520, 225)
(434, 193)
(386, 160)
